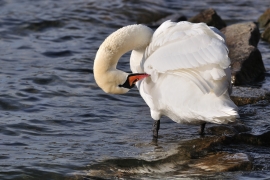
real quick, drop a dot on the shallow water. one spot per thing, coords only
(55, 122)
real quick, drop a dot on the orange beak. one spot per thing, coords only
(133, 78)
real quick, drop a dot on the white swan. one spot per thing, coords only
(183, 70)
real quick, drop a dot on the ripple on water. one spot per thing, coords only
(44, 24)
(8, 132)
(8, 104)
(58, 54)
(20, 127)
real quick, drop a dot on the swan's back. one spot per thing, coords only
(190, 75)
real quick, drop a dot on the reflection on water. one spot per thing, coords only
(55, 121)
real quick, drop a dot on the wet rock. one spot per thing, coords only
(248, 95)
(266, 34)
(191, 157)
(173, 18)
(222, 130)
(221, 162)
(246, 60)
(228, 130)
(260, 139)
(210, 17)
(241, 128)
(264, 19)
(200, 147)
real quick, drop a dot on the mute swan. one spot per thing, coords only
(181, 70)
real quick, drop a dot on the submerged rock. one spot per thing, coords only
(246, 60)
(228, 130)
(248, 95)
(210, 17)
(262, 139)
(223, 161)
(264, 19)
(222, 130)
(240, 128)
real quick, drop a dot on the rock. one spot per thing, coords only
(228, 130)
(191, 156)
(210, 17)
(242, 34)
(223, 161)
(264, 19)
(246, 60)
(266, 34)
(264, 22)
(248, 95)
(220, 130)
(173, 18)
(197, 148)
(241, 128)
(260, 139)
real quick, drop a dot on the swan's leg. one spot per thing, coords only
(155, 128)
(201, 131)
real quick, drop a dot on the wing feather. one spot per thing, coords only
(194, 51)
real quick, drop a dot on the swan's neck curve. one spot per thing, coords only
(118, 43)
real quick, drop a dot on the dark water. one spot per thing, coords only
(55, 123)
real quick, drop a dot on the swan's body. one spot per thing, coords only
(188, 66)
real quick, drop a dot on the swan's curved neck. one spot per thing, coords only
(118, 43)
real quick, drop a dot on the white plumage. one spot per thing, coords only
(188, 64)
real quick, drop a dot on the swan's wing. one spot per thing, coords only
(196, 44)
(194, 51)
